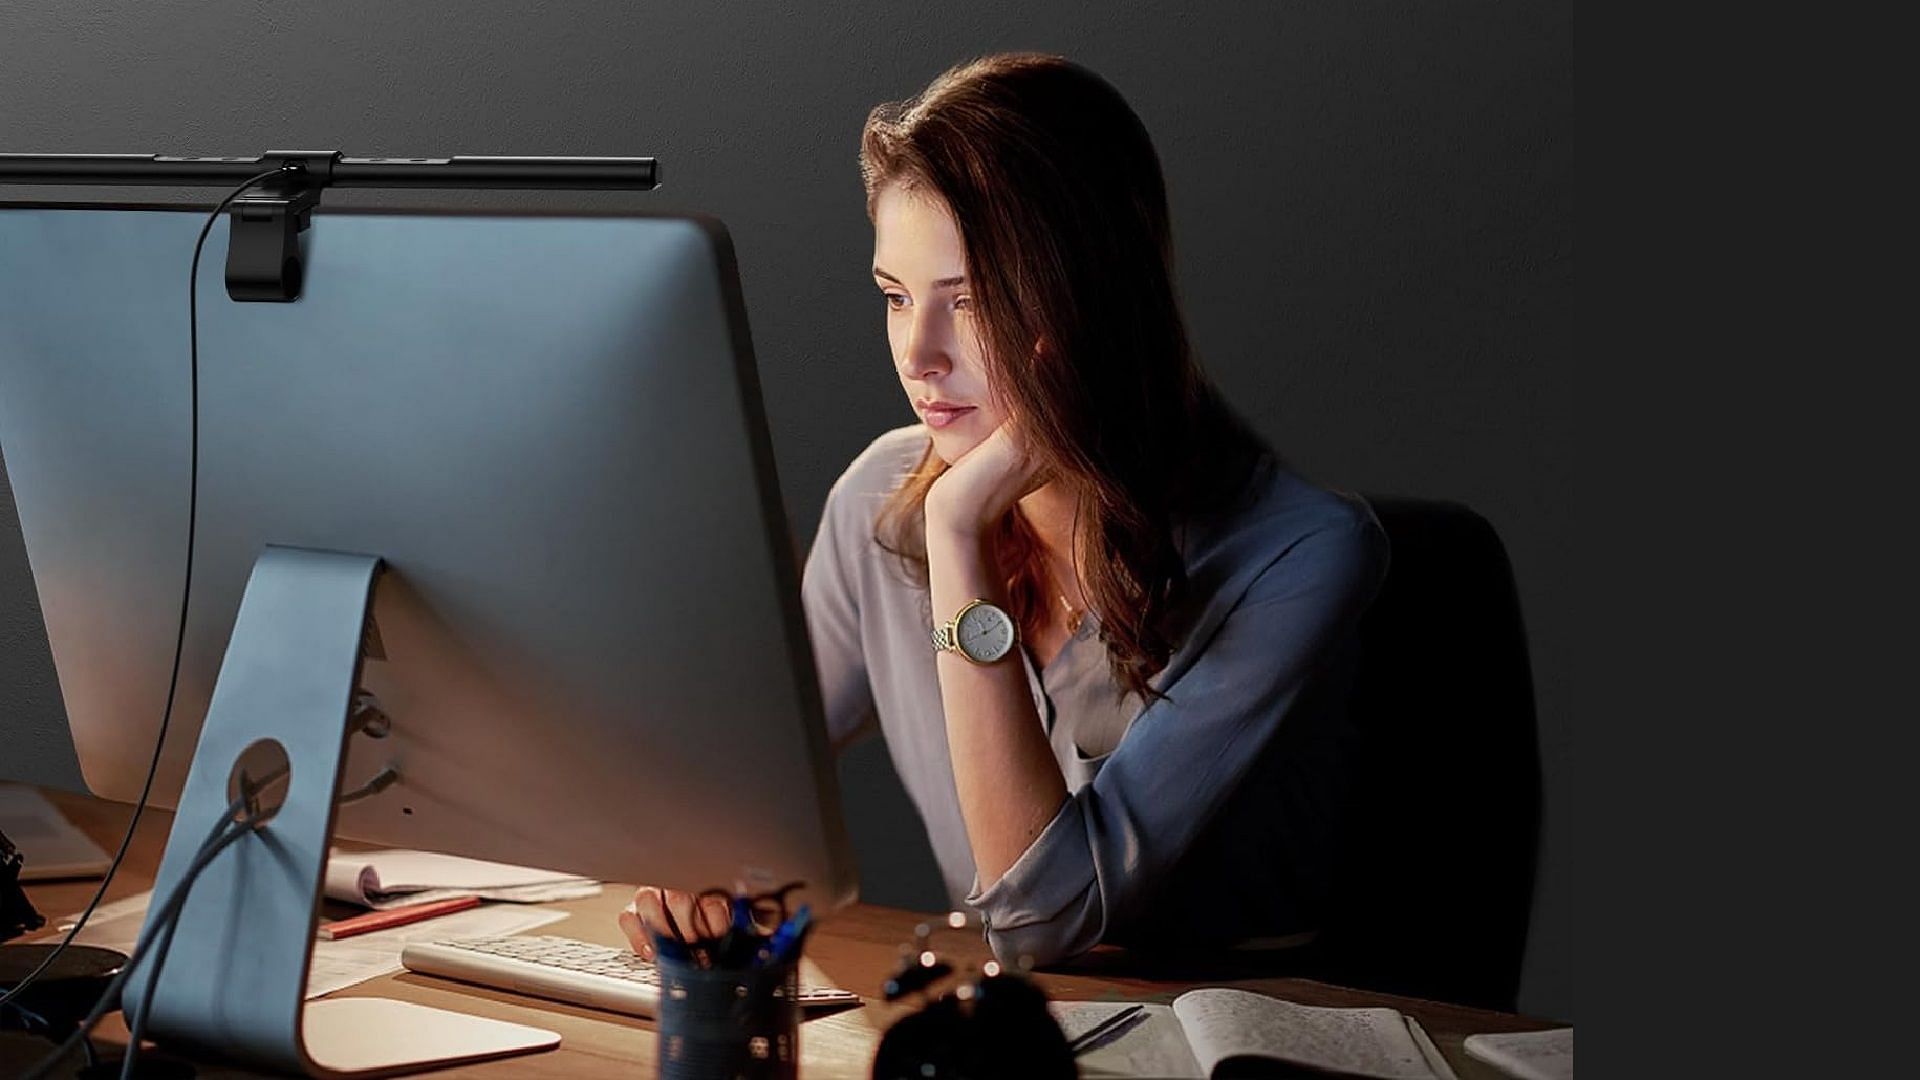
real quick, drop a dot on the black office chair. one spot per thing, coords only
(1436, 873)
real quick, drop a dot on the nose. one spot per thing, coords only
(925, 354)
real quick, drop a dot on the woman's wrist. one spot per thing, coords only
(959, 561)
(952, 526)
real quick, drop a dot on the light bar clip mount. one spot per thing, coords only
(263, 242)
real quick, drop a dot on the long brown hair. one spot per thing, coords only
(1058, 197)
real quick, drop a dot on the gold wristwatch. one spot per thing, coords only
(980, 632)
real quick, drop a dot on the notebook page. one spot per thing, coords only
(1532, 1055)
(1358, 1042)
(1152, 1047)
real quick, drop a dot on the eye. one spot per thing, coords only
(963, 303)
(891, 299)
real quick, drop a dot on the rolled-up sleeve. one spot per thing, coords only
(829, 591)
(1184, 755)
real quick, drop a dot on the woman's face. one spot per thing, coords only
(920, 266)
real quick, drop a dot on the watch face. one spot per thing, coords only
(985, 633)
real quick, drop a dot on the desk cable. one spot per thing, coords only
(247, 802)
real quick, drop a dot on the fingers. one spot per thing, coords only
(668, 912)
(684, 919)
(660, 911)
(637, 935)
(647, 915)
(716, 915)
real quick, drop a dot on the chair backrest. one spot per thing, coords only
(1436, 871)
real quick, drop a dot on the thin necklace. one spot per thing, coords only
(1074, 615)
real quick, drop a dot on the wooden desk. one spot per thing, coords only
(855, 948)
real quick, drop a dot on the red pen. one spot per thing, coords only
(391, 917)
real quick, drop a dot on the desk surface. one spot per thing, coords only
(855, 948)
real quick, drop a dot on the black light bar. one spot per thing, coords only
(575, 173)
(263, 249)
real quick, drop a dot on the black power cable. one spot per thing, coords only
(186, 587)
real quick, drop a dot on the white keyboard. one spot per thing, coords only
(563, 969)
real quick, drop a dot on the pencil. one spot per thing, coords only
(391, 917)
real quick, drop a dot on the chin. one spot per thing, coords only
(950, 446)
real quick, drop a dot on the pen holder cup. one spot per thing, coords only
(729, 1022)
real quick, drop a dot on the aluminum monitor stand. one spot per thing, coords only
(234, 980)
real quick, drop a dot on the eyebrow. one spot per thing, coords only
(943, 283)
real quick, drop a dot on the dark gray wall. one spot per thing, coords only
(1372, 201)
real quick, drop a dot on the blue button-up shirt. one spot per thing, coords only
(1206, 818)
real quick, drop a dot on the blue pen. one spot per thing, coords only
(799, 940)
(787, 938)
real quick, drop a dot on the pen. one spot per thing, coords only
(787, 938)
(391, 917)
(1112, 1025)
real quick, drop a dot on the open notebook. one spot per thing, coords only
(1217, 1032)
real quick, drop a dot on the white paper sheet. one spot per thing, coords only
(114, 925)
(336, 964)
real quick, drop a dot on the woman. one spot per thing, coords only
(1104, 631)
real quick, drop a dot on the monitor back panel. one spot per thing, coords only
(589, 637)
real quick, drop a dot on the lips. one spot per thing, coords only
(940, 415)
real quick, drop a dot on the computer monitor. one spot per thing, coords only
(588, 636)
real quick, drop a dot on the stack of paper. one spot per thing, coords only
(389, 879)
